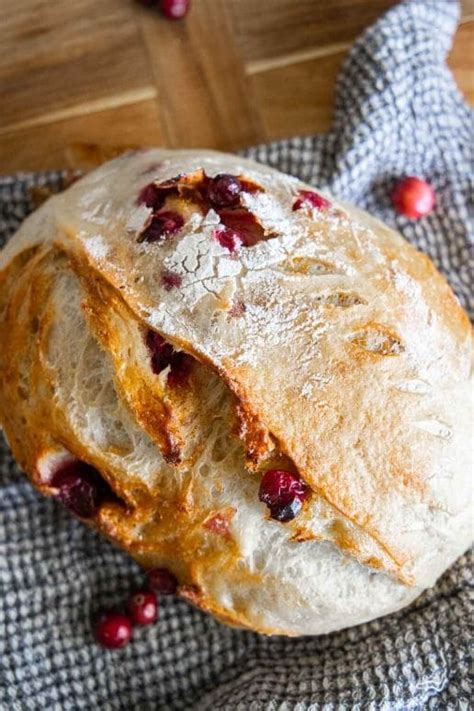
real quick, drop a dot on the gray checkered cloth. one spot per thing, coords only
(398, 112)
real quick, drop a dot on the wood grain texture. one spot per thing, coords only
(287, 27)
(298, 98)
(461, 62)
(234, 73)
(57, 56)
(467, 9)
(49, 145)
(202, 91)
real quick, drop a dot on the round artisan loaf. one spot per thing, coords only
(177, 324)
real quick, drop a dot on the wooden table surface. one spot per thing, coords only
(233, 73)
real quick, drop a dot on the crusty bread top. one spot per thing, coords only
(341, 348)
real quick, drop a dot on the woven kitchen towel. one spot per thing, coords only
(397, 111)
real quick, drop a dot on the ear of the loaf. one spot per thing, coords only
(173, 395)
(87, 398)
(71, 400)
(123, 337)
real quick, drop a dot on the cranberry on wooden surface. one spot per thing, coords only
(162, 580)
(113, 630)
(413, 197)
(80, 488)
(308, 197)
(174, 9)
(224, 190)
(283, 492)
(143, 607)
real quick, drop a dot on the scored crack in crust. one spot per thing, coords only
(185, 321)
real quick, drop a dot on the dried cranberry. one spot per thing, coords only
(224, 190)
(180, 370)
(81, 488)
(163, 224)
(228, 238)
(283, 492)
(307, 197)
(161, 351)
(162, 581)
(163, 355)
(113, 630)
(171, 280)
(143, 607)
(413, 197)
(174, 9)
(151, 196)
(245, 224)
(287, 512)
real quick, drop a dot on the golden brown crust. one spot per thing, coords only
(117, 329)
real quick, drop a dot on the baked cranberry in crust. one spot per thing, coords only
(151, 197)
(163, 581)
(311, 199)
(162, 226)
(228, 238)
(224, 190)
(171, 280)
(283, 492)
(163, 355)
(323, 346)
(223, 194)
(80, 488)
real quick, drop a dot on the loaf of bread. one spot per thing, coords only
(234, 377)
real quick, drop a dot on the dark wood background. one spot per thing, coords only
(233, 73)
